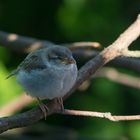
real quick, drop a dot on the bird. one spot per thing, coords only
(47, 73)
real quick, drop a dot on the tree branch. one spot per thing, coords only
(16, 104)
(27, 118)
(111, 52)
(21, 43)
(119, 77)
(121, 61)
(27, 44)
(116, 49)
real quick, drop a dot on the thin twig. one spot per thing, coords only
(128, 53)
(83, 45)
(106, 115)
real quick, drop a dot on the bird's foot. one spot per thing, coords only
(43, 108)
(60, 102)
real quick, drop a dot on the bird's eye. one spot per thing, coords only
(52, 56)
(55, 57)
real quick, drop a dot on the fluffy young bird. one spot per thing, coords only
(47, 73)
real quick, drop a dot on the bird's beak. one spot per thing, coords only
(69, 61)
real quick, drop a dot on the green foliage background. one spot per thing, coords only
(63, 21)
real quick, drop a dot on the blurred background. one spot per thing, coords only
(66, 21)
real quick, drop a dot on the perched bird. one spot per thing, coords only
(47, 73)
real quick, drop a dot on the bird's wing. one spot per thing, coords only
(31, 62)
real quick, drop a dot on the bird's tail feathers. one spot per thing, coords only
(11, 74)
